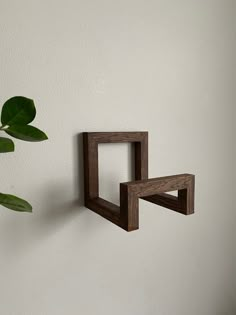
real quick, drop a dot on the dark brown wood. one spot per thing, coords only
(152, 190)
(90, 143)
(106, 209)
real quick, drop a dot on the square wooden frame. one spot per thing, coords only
(152, 190)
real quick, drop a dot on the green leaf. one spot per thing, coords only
(18, 110)
(6, 145)
(26, 133)
(15, 203)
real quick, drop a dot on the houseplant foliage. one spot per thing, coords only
(17, 113)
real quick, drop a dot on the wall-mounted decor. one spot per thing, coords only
(150, 189)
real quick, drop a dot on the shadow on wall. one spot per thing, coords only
(20, 232)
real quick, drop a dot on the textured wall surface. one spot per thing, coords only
(162, 66)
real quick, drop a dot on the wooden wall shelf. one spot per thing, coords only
(153, 190)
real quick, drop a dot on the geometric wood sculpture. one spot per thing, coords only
(153, 190)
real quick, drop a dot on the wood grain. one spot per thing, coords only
(153, 190)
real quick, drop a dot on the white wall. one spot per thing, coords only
(162, 66)
(234, 145)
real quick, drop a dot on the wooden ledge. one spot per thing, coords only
(153, 190)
